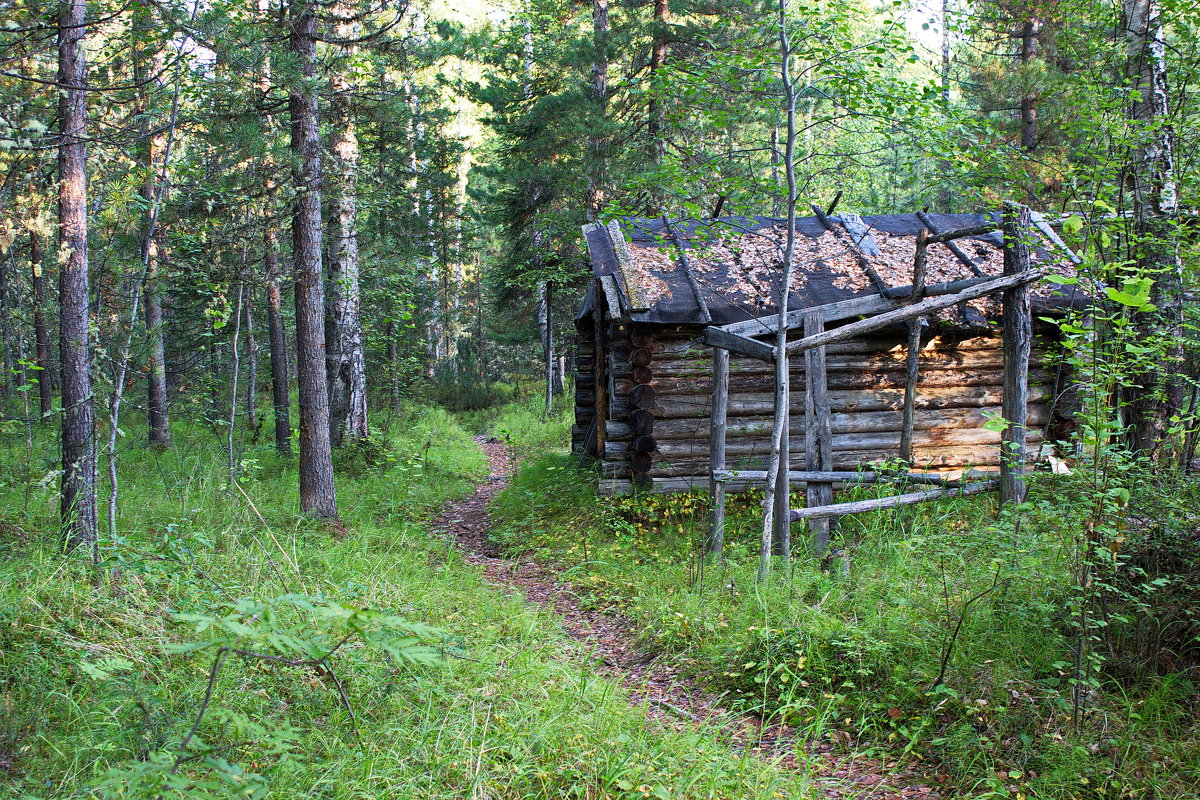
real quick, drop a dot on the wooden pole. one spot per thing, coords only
(862, 506)
(716, 451)
(818, 440)
(914, 351)
(1018, 339)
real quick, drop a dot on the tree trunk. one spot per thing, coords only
(654, 121)
(79, 413)
(41, 332)
(251, 369)
(277, 342)
(10, 346)
(546, 334)
(1156, 235)
(317, 494)
(596, 143)
(345, 365)
(155, 146)
(1029, 96)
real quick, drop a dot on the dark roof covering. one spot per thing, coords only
(736, 263)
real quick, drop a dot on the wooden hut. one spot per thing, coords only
(644, 370)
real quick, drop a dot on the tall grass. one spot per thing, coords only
(940, 632)
(99, 686)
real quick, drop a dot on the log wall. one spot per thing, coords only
(656, 431)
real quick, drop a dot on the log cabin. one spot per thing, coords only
(644, 373)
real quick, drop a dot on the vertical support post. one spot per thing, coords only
(718, 412)
(599, 369)
(914, 351)
(818, 437)
(1018, 339)
(783, 517)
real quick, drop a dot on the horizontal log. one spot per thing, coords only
(842, 422)
(669, 386)
(963, 233)
(809, 476)
(894, 359)
(746, 404)
(716, 337)
(934, 289)
(844, 309)
(858, 447)
(862, 506)
(693, 347)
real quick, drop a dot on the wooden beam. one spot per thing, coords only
(962, 233)
(953, 247)
(936, 289)
(833, 312)
(742, 345)
(629, 273)
(1018, 339)
(926, 306)
(862, 506)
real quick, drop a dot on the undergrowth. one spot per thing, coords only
(942, 632)
(356, 661)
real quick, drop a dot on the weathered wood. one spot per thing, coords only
(923, 308)
(964, 233)
(641, 422)
(612, 295)
(952, 246)
(831, 476)
(818, 429)
(634, 290)
(640, 357)
(750, 404)
(716, 451)
(862, 506)
(644, 444)
(937, 289)
(642, 396)
(860, 234)
(844, 309)
(1018, 337)
(912, 365)
(642, 375)
(599, 376)
(640, 463)
(716, 337)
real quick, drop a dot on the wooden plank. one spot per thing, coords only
(923, 308)
(862, 506)
(860, 234)
(818, 430)
(612, 296)
(716, 337)
(716, 451)
(1018, 338)
(937, 289)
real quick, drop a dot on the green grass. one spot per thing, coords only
(851, 648)
(98, 687)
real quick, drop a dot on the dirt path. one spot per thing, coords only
(671, 699)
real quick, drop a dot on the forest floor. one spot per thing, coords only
(669, 698)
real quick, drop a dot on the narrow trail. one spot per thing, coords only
(670, 699)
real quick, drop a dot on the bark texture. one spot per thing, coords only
(79, 413)
(345, 365)
(317, 494)
(1158, 394)
(41, 331)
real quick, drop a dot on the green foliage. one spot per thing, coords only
(451, 687)
(937, 631)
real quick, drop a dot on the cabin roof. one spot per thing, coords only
(736, 263)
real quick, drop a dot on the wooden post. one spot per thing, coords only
(783, 518)
(600, 368)
(716, 451)
(914, 352)
(1018, 339)
(818, 439)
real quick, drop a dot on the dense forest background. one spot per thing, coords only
(257, 240)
